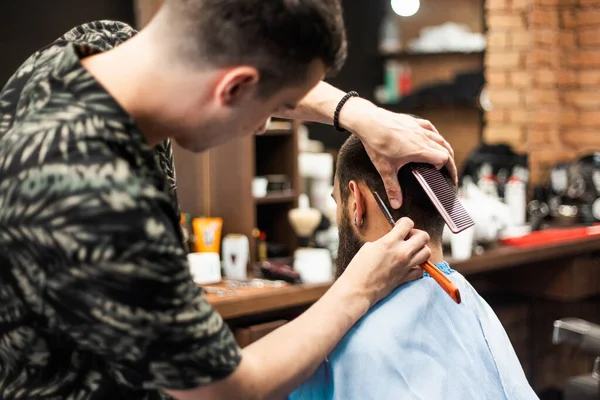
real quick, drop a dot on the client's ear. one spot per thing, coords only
(357, 204)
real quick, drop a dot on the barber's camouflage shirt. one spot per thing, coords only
(96, 300)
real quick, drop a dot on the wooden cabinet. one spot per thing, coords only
(218, 183)
(251, 334)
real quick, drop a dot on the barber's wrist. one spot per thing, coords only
(355, 113)
(355, 299)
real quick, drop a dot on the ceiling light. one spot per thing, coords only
(405, 8)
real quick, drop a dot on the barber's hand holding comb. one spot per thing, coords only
(393, 140)
(381, 266)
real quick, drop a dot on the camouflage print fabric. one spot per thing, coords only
(96, 299)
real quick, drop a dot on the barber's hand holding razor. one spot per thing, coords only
(381, 266)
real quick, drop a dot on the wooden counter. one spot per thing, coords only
(506, 257)
(267, 300)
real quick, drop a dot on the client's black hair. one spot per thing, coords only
(354, 164)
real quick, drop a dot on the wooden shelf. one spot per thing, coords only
(408, 54)
(224, 188)
(276, 198)
(279, 128)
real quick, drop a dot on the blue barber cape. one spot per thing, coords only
(419, 344)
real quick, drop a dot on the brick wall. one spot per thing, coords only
(507, 79)
(543, 74)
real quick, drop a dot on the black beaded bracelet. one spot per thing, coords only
(336, 114)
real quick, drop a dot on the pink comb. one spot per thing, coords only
(443, 197)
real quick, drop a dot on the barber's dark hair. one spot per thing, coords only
(278, 37)
(354, 164)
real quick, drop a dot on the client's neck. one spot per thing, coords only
(437, 254)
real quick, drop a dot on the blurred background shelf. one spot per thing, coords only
(219, 183)
(276, 198)
(412, 54)
(402, 108)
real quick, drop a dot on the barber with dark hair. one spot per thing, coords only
(96, 299)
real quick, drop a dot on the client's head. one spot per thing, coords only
(359, 217)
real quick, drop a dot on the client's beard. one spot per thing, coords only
(349, 244)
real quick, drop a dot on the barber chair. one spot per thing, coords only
(585, 336)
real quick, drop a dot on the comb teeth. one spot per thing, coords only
(443, 198)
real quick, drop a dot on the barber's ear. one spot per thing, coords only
(358, 204)
(237, 84)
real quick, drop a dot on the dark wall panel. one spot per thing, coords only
(27, 25)
(363, 69)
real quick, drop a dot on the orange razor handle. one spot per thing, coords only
(442, 280)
